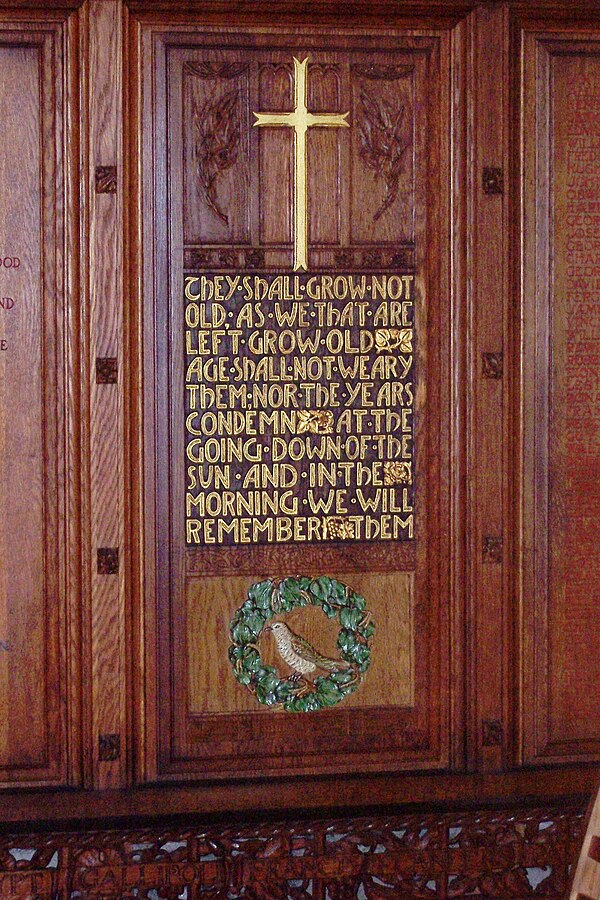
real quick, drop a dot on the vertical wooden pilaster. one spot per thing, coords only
(103, 238)
(489, 527)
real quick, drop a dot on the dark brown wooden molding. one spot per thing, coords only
(67, 5)
(311, 794)
(438, 8)
(241, 11)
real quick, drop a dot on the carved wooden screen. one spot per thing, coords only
(342, 372)
(37, 464)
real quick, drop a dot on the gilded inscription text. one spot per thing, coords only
(299, 395)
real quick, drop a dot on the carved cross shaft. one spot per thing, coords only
(301, 120)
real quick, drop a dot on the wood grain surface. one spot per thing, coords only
(104, 243)
(361, 215)
(488, 484)
(561, 440)
(37, 595)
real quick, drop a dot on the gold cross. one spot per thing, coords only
(301, 120)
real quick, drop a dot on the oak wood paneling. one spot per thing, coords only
(39, 468)
(489, 647)
(560, 393)
(486, 651)
(184, 74)
(103, 239)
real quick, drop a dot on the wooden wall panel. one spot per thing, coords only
(391, 676)
(561, 393)
(103, 238)
(39, 580)
(203, 723)
(486, 651)
(489, 642)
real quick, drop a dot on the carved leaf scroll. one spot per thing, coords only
(382, 144)
(217, 128)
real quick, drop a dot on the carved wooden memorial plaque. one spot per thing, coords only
(296, 418)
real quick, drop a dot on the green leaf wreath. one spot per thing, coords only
(267, 599)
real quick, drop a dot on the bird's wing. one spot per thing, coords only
(302, 647)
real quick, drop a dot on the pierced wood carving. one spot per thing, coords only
(511, 853)
(382, 143)
(217, 126)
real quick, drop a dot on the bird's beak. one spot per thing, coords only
(267, 628)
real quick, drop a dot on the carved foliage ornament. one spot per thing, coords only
(264, 611)
(382, 144)
(390, 340)
(217, 127)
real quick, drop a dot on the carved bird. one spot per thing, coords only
(299, 654)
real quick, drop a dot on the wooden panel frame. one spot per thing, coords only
(54, 37)
(536, 41)
(146, 36)
(103, 235)
(488, 532)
